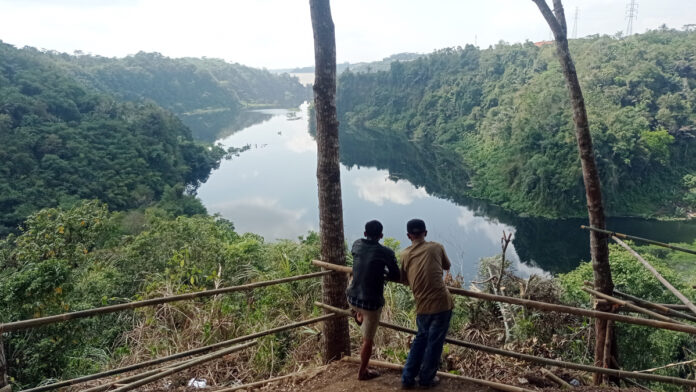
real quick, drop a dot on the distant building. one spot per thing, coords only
(542, 43)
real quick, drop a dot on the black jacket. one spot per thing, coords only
(373, 263)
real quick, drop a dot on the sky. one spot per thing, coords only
(277, 33)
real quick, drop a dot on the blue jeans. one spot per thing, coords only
(426, 349)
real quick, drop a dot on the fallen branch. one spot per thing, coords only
(492, 384)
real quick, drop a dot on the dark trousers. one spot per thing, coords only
(426, 349)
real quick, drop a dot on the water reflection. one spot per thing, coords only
(213, 125)
(271, 190)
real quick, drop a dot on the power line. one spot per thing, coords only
(631, 14)
(575, 24)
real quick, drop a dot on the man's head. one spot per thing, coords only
(415, 229)
(373, 230)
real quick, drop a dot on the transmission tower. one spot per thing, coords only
(631, 15)
(575, 24)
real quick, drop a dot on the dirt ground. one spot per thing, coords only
(342, 377)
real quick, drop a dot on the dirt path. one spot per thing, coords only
(342, 377)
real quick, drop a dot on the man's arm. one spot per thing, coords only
(393, 273)
(446, 265)
(402, 269)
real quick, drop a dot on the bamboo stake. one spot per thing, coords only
(548, 307)
(172, 357)
(630, 237)
(659, 277)
(184, 366)
(657, 307)
(25, 324)
(332, 267)
(492, 384)
(4, 379)
(667, 366)
(629, 305)
(530, 358)
(556, 379)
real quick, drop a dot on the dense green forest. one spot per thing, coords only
(63, 142)
(505, 112)
(190, 87)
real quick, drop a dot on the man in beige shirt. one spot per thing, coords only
(422, 268)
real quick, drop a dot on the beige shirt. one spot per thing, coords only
(422, 266)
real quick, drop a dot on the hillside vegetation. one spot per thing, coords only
(63, 142)
(505, 111)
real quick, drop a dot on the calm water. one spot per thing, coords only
(271, 190)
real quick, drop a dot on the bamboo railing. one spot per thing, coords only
(33, 323)
(530, 358)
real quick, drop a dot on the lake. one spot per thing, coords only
(271, 190)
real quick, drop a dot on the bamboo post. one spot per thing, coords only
(556, 379)
(25, 324)
(658, 307)
(659, 277)
(630, 237)
(172, 357)
(548, 307)
(491, 384)
(530, 358)
(184, 366)
(629, 305)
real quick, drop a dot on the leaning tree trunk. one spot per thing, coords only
(3, 365)
(336, 335)
(599, 247)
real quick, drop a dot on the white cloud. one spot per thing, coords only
(265, 217)
(378, 188)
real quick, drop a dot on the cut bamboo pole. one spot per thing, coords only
(332, 267)
(657, 275)
(667, 366)
(629, 305)
(25, 324)
(530, 358)
(179, 355)
(556, 379)
(491, 384)
(630, 237)
(184, 366)
(548, 307)
(657, 307)
(4, 379)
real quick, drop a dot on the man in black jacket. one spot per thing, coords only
(373, 263)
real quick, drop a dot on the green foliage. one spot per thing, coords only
(63, 142)
(631, 277)
(505, 111)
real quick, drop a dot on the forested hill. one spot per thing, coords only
(62, 142)
(505, 111)
(187, 86)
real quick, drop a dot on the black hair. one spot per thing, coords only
(373, 229)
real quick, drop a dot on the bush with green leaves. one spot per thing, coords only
(640, 347)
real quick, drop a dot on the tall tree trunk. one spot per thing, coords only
(336, 334)
(599, 247)
(3, 365)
